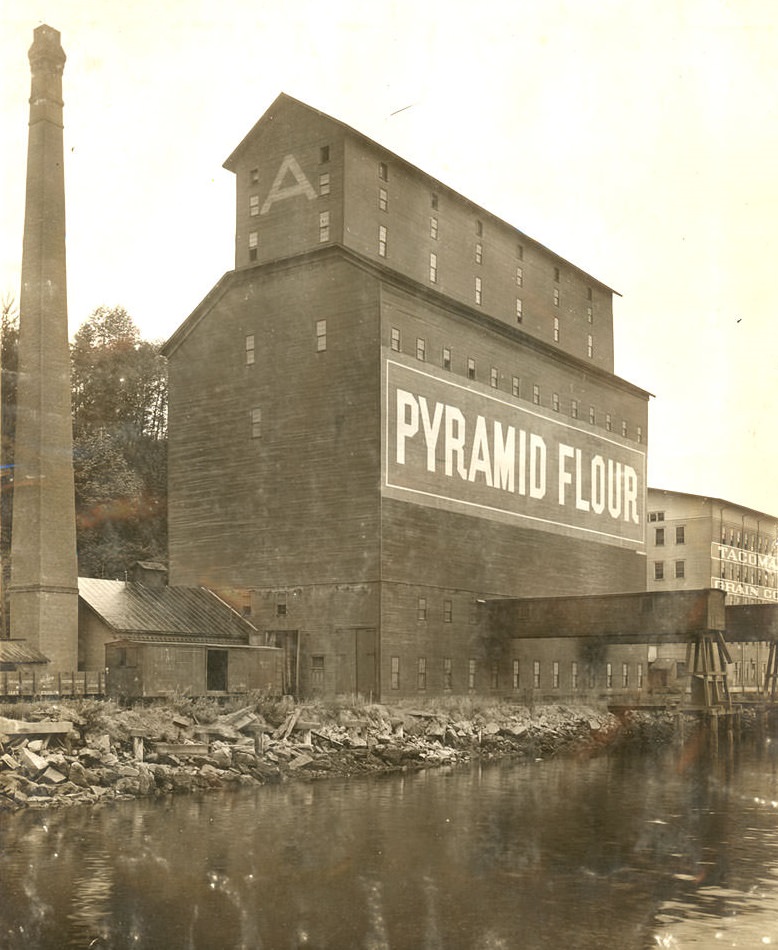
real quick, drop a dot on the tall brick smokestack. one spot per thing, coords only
(43, 594)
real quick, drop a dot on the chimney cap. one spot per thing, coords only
(46, 46)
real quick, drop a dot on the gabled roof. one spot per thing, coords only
(175, 612)
(718, 502)
(283, 100)
(19, 651)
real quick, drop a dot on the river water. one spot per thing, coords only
(676, 849)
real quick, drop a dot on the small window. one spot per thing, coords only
(434, 201)
(520, 252)
(659, 570)
(478, 289)
(590, 346)
(680, 534)
(421, 609)
(659, 537)
(656, 516)
(421, 675)
(556, 296)
(574, 675)
(421, 348)
(589, 315)
(516, 386)
(395, 670)
(256, 423)
(519, 276)
(639, 676)
(448, 611)
(625, 675)
(639, 435)
(624, 428)
(608, 422)
(250, 352)
(446, 357)
(588, 293)
(447, 673)
(536, 394)
(433, 268)
(556, 329)
(321, 336)
(574, 408)
(324, 183)
(395, 340)
(479, 254)
(381, 241)
(471, 674)
(324, 227)
(555, 674)
(433, 227)
(253, 244)
(519, 310)
(494, 377)
(470, 368)
(383, 200)
(254, 176)
(592, 416)
(536, 674)
(324, 154)
(383, 171)
(479, 228)
(253, 205)
(516, 675)
(608, 675)
(494, 675)
(680, 569)
(317, 672)
(555, 402)
(556, 275)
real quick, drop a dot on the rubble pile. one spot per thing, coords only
(88, 752)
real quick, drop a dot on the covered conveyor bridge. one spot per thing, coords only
(695, 617)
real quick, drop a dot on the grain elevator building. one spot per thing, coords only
(394, 408)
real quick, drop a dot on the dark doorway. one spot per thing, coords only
(216, 671)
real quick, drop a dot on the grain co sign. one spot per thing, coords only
(448, 445)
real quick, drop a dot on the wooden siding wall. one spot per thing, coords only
(291, 224)
(409, 244)
(298, 505)
(440, 327)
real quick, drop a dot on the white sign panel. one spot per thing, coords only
(452, 445)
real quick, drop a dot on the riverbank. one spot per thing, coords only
(90, 751)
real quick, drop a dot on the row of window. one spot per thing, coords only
(736, 537)
(680, 535)
(320, 327)
(746, 575)
(516, 385)
(629, 677)
(659, 570)
(478, 248)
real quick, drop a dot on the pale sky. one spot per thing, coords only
(639, 140)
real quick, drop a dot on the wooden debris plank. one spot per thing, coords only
(15, 727)
(181, 748)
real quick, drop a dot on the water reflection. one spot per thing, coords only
(630, 852)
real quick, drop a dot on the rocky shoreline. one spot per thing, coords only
(90, 751)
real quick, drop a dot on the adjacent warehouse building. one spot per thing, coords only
(696, 542)
(395, 408)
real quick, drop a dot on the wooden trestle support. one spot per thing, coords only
(771, 674)
(706, 660)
